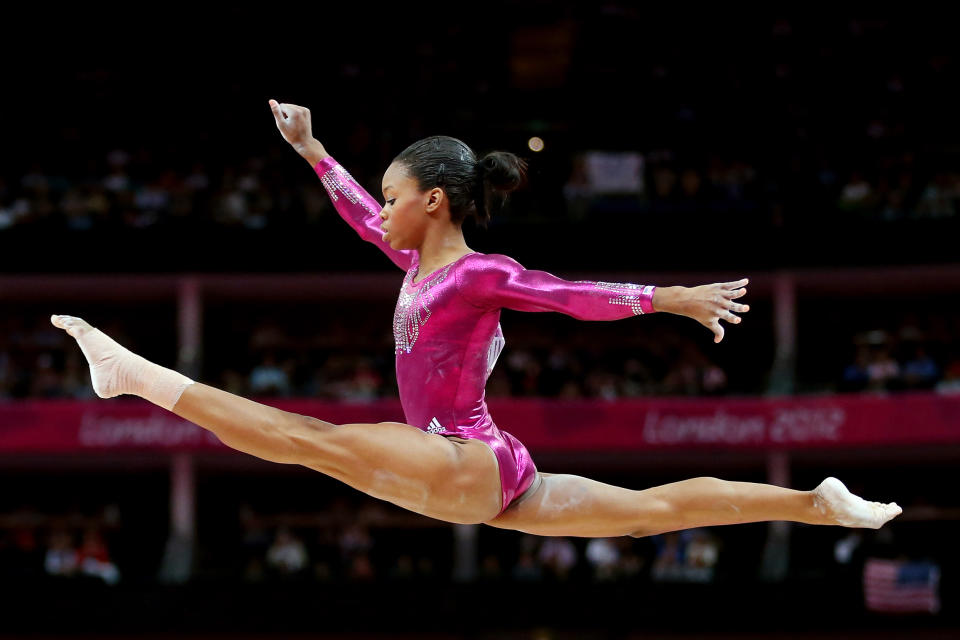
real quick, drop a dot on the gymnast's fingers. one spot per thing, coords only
(277, 109)
(717, 329)
(733, 293)
(735, 285)
(739, 308)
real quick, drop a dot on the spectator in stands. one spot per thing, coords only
(920, 371)
(61, 558)
(691, 373)
(883, 372)
(558, 557)
(685, 556)
(364, 384)
(93, 558)
(361, 568)
(46, 381)
(939, 198)
(523, 369)
(355, 541)
(857, 194)
(855, 375)
(269, 378)
(951, 377)
(526, 569)
(287, 555)
(603, 556)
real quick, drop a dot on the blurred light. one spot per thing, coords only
(535, 143)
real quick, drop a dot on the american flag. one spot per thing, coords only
(901, 586)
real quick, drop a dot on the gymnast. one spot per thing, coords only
(449, 460)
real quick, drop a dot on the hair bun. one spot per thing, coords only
(498, 173)
(502, 170)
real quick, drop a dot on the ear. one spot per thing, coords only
(435, 198)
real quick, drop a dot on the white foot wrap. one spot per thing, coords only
(835, 501)
(114, 370)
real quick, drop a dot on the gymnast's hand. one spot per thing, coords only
(707, 304)
(295, 127)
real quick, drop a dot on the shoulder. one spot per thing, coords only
(482, 277)
(479, 263)
(489, 268)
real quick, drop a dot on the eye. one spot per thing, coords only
(391, 201)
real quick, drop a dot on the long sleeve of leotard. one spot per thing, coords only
(358, 208)
(492, 281)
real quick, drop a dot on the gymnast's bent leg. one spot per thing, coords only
(423, 472)
(569, 505)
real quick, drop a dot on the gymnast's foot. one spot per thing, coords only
(835, 503)
(115, 370)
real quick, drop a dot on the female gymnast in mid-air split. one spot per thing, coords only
(450, 461)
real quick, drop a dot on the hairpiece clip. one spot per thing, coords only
(440, 174)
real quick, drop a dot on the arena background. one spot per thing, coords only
(144, 187)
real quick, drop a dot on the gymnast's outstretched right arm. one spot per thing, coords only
(357, 207)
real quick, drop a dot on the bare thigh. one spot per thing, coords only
(451, 480)
(570, 505)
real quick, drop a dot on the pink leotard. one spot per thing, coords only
(446, 327)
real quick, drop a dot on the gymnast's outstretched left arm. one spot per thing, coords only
(499, 281)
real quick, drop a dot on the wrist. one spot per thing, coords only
(311, 151)
(667, 299)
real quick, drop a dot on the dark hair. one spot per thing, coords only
(473, 187)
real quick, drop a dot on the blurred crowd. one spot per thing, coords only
(351, 357)
(905, 360)
(257, 195)
(534, 364)
(355, 538)
(348, 543)
(133, 190)
(869, 347)
(350, 360)
(355, 552)
(835, 139)
(61, 546)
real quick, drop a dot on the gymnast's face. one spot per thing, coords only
(407, 211)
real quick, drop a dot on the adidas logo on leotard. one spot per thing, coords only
(435, 426)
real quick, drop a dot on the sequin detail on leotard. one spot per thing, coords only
(413, 309)
(495, 349)
(635, 296)
(337, 182)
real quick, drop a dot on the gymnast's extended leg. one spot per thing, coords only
(569, 505)
(423, 472)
